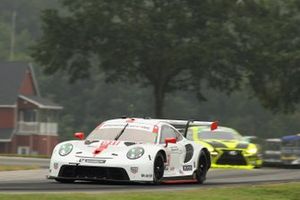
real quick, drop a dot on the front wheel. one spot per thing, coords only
(202, 168)
(158, 168)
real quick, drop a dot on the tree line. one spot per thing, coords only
(163, 58)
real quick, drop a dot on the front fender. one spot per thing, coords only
(152, 150)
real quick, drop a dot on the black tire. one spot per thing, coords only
(64, 180)
(202, 168)
(158, 168)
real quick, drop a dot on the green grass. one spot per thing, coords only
(16, 167)
(287, 191)
(25, 156)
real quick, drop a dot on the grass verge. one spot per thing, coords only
(286, 191)
(25, 156)
(16, 167)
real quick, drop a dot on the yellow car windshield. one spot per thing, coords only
(218, 135)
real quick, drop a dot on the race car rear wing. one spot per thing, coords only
(185, 124)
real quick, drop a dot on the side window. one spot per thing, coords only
(189, 134)
(168, 132)
(178, 136)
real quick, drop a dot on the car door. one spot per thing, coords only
(175, 152)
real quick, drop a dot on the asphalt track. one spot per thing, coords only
(35, 181)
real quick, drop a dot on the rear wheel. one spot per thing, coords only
(158, 168)
(64, 180)
(202, 168)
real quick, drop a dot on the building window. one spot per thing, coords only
(23, 150)
(27, 115)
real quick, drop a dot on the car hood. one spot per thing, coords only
(106, 148)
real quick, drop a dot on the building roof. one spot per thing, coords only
(6, 134)
(11, 77)
(41, 102)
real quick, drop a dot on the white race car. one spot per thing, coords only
(130, 149)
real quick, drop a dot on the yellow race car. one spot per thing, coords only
(227, 147)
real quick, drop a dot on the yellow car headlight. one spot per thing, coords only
(252, 151)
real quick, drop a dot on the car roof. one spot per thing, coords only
(291, 137)
(133, 120)
(219, 129)
(273, 140)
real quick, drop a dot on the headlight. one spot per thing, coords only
(252, 151)
(65, 149)
(135, 153)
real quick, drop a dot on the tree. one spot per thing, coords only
(268, 34)
(179, 45)
(153, 42)
(19, 24)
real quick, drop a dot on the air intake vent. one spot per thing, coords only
(129, 143)
(189, 153)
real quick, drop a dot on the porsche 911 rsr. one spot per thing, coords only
(227, 147)
(130, 149)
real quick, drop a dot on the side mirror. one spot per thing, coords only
(170, 140)
(214, 125)
(79, 135)
(251, 139)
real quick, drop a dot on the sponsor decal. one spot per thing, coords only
(113, 125)
(130, 126)
(167, 168)
(134, 170)
(55, 165)
(146, 175)
(104, 145)
(174, 149)
(139, 126)
(92, 161)
(168, 160)
(187, 167)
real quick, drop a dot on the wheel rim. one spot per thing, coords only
(158, 168)
(202, 166)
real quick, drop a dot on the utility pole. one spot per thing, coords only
(12, 35)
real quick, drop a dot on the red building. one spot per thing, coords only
(27, 121)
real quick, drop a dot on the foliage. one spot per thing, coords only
(268, 36)
(153, 42)
(27, 26)
(88, 102)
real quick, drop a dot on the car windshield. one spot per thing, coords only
(130, 134)
(273, 146)
(291, 143)
(219, 135)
